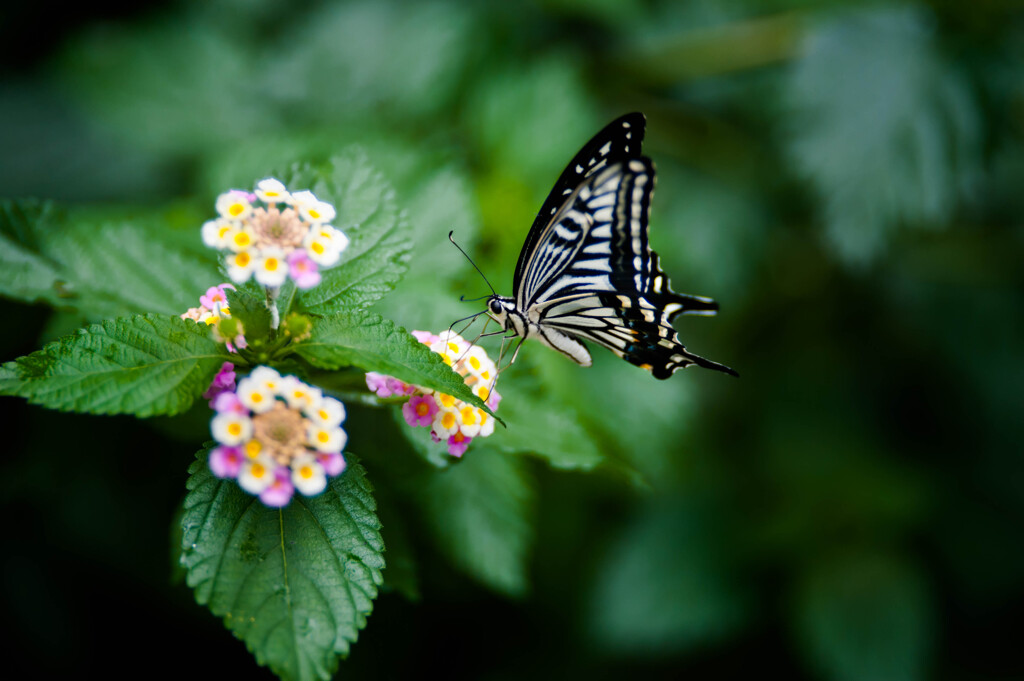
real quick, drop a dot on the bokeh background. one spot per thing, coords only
(844, 178)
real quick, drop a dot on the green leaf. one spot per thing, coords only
(372, 343)
(665, 585)
(542, 424)
(29, 275)
(249, 306)
(865, 615)
(421, 52)
(141, 365)
(379, 246)
(480, 513)
(99, 270)
(882, 126)
(440, 199)
(295, 584)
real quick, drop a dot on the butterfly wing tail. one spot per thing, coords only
(659, 292)
(683, 359)
(681, 303)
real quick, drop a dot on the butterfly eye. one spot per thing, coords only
(495, 307)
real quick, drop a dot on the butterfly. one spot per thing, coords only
(586, 271)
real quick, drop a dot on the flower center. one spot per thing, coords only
(282, 431)
(273, 227)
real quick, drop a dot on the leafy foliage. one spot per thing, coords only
(142, 365)
(479, 512)
(543, 425)
(368, 341)
(886, 132)
(843, 180)
(379, 248)
(98, 270)
(667, 584)
(296, 584)
(249, 307)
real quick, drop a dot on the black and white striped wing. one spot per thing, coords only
(590, 273)
(619, 140)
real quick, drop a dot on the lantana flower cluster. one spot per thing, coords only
(213, 306)
(271, 234)
(450, 420)
(276, 435)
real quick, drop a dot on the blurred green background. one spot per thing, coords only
(844, 178)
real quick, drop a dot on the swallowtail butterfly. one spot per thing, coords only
(586, 271)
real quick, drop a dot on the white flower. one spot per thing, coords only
(302, 198)
(257, 474)
(451, 346)
(270, 268)
(479, 364)
(234, 205)
(298, 395)
(317, 212)
(470, 422)
(267, 378)
(255, 395)
(446, 422)
(230, 428)
(271, 190)
(213, 232)
(486, 423)
(312, 209)
(323, 250)
(308, 475)
(238, 239)
(483, 391)
(326, 439)
(328, 414)
(240, 266)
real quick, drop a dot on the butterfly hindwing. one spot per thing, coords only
(631, 327)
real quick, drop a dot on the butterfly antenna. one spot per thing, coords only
(471, 262)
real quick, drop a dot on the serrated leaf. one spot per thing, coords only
(379, 246)
(100, 270)
(372, 343)
(479, 512)
(865, 615)
(295, 584)
(881, 125)
(141, 365)
(664, 584)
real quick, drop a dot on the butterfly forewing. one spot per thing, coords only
(620, 139)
